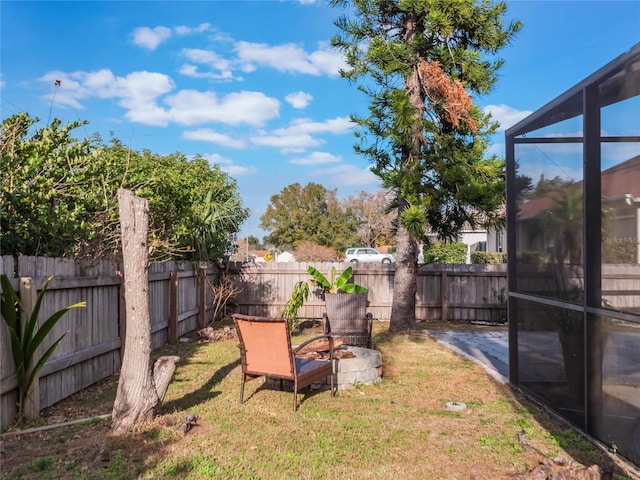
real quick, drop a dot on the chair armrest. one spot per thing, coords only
(311, 340)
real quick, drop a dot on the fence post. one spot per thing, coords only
(202, 296)
(444, 295)
(173, 307)
(28, 299)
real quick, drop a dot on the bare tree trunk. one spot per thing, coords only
(139, 394)
(403, 309)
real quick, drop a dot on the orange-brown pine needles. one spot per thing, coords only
(450, 93)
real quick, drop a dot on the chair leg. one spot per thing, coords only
(295, 396)
(242, 389)
(333, 391)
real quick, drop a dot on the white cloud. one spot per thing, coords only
(238, 170)
(208, 135)
(207, 57)
(290, 58)
(191, 107)
(336, 125)
(150, 38)
(227, 165)
(70, 91)
(192, 71)
(140, 92)
(298, 136)
(316, 158)
(329, 60)
(347, 175)
(507, 116)
(287, 143)
(496, 149)
(184, 30)
(247, 57)
(136, 92)
(299, 99)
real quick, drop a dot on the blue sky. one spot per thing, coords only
(253, 85)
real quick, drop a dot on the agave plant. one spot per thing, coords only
(25, 339)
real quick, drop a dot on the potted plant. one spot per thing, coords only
(344, 313)
(346, 307)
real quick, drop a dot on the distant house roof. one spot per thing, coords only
(617, 181)
(622, 179)
(285, 257)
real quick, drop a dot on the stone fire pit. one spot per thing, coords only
(364, 368)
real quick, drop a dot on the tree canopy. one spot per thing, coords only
(419, 62)
(59, 195)
(374, 216)
(310, 213)
(313, 215)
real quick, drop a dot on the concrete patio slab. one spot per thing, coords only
(488, 349)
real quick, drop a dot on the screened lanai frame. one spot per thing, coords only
(572, 330)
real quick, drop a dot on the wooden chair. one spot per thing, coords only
(265, 350)
(347, 317)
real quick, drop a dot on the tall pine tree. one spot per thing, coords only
(419, 62)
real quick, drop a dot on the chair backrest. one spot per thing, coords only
(265, 345)
(347, 312)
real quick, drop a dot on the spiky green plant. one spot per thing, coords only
(336, 283)
(25, 339)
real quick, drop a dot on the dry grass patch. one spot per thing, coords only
(399, 428)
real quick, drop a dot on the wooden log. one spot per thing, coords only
(321, 346)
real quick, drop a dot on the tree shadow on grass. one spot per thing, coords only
(204, 393)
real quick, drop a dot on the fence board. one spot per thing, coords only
(267, 287)
(91, 348)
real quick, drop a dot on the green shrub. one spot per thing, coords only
(446, 252)
(492, 258)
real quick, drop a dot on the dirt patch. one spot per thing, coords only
(83, 444)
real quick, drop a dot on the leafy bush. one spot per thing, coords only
(446, 252)
(299, 295)
(492, 258)
(195, 208)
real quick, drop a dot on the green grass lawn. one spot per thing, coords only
(397, 429)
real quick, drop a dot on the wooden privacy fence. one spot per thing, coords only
(451, 292)
(179, 302)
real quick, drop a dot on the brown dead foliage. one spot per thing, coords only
(440, 88)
